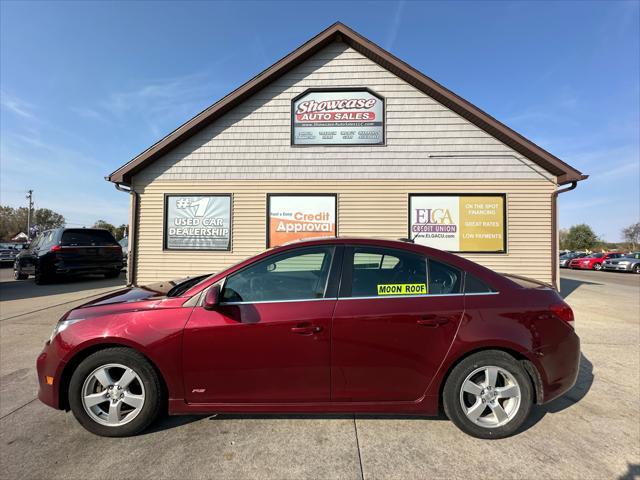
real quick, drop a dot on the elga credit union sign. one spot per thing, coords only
(337, 117)
(459, 223)
(295, 217)
(197, 222)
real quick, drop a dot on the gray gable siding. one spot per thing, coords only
(424, 140)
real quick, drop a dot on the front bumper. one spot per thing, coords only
(559, 366)
(49, 365)
(617, 267)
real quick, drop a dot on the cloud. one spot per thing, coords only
(395, 25)
(15, 105)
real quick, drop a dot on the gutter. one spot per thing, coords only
(133, 231)
(554, 229)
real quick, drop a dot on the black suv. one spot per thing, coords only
(69, 251)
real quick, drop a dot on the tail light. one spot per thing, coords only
(56, 248)
(564, 313)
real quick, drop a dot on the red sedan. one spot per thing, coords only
(593, 261)
(331, 325)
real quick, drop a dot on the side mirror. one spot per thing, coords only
(212, 298)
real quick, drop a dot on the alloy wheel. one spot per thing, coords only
(490, 396)
(113, 395)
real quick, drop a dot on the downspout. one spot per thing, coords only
(133, 232)
(554, 231)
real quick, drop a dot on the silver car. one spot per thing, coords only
(8, 253)
(628, 263)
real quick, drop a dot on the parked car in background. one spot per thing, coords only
(69, 251)
(8, 252)
(627, 263)
(593, 261)
(567, 257)
(328, 325)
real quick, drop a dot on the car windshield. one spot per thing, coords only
(596, 255)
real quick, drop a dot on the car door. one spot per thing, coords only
(394, 321)
(269, 339)
(29, 257)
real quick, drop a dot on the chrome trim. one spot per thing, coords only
(278, 301)
(428, 295)
(481, 293)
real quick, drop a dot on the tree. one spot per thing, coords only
(581, 237)
(631, 234)
(14, 220)
(562, 235)
(117, 232)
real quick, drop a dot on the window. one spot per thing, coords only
(444, 279)
(474, 285)
(383, 272)
(297, 275)
(87, 237)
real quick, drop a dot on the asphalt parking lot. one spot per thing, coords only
(591, 432)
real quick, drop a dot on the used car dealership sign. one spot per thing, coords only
(197, 222)
(335, 117)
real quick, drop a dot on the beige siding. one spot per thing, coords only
(365, 208)
(425, 140)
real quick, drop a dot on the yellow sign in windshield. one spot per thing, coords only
(402, 289)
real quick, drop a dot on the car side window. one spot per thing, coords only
(296, 275)
(37, 242)
(444, 279)
(473, 284)
(387, 272)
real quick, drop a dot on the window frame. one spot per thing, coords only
(331, 286)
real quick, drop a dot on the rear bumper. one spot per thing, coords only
(65, 269)
(559, 365)
(49, 365)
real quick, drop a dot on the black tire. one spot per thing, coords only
(636, 268)
(113, 274)
(452, 402)
(18, 275)
(42, 278)
(597, 266)
(154, 393)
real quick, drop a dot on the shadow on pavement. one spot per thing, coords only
(573, 396)
(18, 290)
(569, 285)
(633, 472)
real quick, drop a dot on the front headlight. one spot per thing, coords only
(62, 326)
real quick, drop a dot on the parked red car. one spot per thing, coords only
(331, 325)
(593, 261)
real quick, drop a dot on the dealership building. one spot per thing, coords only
(342, 138)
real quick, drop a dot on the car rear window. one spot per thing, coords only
(87, 237)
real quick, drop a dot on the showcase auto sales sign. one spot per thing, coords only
(336, 117)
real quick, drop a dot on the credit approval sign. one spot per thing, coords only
(296, 217)
(474, 223)
(337, 117)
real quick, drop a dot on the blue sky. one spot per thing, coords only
(87, 86)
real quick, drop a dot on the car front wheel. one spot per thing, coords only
(597, 266)
(636, 268)
(488, 395)
(115, 393)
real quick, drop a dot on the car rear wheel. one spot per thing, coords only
(113, 274)
(41, 277)
(18, 275)
(488, 395)
(115, 393)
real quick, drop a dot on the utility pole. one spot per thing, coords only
(30, 208)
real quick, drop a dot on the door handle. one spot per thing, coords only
(306, 329)
(433, 321)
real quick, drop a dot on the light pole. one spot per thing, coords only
(30, 207)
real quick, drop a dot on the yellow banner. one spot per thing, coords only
(481, 224)
(402, 289)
